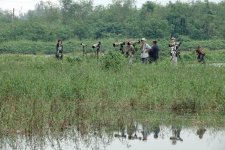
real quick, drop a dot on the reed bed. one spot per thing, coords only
(39, 92)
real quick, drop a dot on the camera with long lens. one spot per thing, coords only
(134, 42)
(82, 44)
(118, 44)
(96, 45)
(177, 44)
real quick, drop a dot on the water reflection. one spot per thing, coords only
(132, 131)
(179, 136)
(132, 135)
(201, 132)
(156, 130)
(176, 134)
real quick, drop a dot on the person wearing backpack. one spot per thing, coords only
(59, 50)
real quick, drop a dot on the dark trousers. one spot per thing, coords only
(144, 60)
(59, 55)
(153, 59)
(201, 58)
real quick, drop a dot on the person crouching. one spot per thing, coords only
(200, 54)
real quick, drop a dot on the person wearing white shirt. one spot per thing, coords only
(145, 48)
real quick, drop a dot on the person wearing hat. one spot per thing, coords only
(201, 54)
(175, 52)
(145, 48)
(172, 41)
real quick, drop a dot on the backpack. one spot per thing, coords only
(60, 48)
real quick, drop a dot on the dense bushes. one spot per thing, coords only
(38, 30)
(113, 60)
(121, 19)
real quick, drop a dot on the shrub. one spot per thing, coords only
(113, 60)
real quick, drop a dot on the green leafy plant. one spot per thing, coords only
(113, 60)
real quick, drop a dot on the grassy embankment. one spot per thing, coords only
(37, 91)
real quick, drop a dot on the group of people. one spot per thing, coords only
(134, 131)
(175, 52)
(149, 53)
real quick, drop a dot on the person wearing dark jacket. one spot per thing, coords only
(59, 50)
(154, 52)
(201, 54)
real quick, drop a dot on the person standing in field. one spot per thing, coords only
(145, 48)
(201, 54)
(59, 50)
(175, 52)
(154, 52)
(130, 52)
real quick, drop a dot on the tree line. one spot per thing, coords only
(121, 19)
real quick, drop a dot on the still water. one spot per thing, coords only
(129, 137)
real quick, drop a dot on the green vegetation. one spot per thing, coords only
(195, 23)
(37, 77)
(37, 91)
(113, 61)
(81, 20)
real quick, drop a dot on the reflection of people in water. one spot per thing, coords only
(176, 134)
(145, 132)
(201, 132)
(122, 131)
(120, 135)
(82, 128)
(156, 131)
(132, 131)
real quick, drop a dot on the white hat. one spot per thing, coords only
(143, 39)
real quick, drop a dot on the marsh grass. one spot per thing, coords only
(40, 93)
